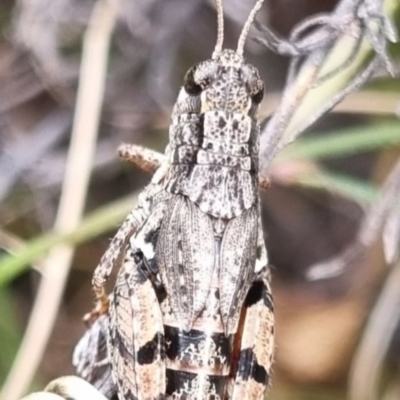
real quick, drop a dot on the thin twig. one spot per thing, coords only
(328, 49)
(73, 195)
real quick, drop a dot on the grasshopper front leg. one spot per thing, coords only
(146, 159)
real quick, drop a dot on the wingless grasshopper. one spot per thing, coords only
(191, 314)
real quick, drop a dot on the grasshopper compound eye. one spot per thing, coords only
(258, 95)
(191, 87)
(200, 76)
(254, 84)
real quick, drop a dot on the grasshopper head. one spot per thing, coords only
(224, 83)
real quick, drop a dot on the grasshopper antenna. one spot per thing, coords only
(247, 26)
(220, 36)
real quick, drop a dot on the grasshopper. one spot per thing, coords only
(191, 314)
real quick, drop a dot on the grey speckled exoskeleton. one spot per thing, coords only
(191, 314)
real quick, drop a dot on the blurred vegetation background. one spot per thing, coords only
(328, 345)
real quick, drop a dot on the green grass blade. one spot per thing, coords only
(98, 222)
(10, 332)
(344, 142)
(352, 188)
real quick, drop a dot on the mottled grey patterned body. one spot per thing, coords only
(194, 274)
(213, 155)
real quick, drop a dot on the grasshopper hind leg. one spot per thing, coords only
(136, 337)
(255, 345)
